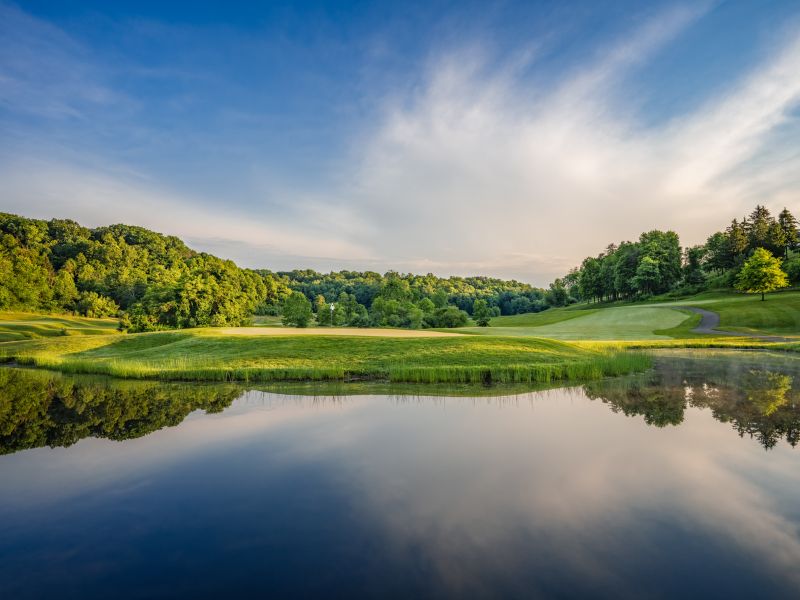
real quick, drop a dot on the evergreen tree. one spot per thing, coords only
(788, 225)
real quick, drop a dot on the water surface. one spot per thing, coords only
(684, 481)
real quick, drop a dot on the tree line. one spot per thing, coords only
(369, 299)
(152, 281)
(757, 253)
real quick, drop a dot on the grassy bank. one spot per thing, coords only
(24, 326)
(211, 356)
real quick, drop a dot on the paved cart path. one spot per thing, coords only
(709, 321)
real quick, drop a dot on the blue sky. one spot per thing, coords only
(504, 138)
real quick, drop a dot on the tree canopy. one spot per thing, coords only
(761, 274)
(656, 263)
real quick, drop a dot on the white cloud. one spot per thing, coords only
(476, 167)
(93, 197)
(475, 170)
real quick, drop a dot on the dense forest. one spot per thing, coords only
(656, 264)
(152, 281)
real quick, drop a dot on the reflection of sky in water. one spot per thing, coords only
(543, 494)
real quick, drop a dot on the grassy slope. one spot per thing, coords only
(21, 326)
(206, 354)
(613, 323)
(778, 314)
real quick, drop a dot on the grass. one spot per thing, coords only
(547, 317)
(613, 323)
(574, 343)
(209, 355)
(23, 326)
(779, 314)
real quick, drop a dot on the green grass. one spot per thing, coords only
(613, 323)
(206, 355)
(779, 314)
(22, 326)
(547, 317)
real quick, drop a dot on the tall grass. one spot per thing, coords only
(598, 365)
(595, 368)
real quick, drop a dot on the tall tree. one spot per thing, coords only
(738, 240)
(788, 225)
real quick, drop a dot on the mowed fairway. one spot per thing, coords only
(615, 323)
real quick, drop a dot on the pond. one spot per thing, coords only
(683, 481)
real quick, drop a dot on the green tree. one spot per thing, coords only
(788, 225)
(648, 275)
(693, 267)
(761, 273)
(296, 310)
(557, 294)
(322, 310)
(481, 312)
(92, 304)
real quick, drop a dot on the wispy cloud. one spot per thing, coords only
(475, 166)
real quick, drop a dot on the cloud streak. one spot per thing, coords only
(505, 167)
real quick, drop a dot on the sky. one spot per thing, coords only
(493, 138)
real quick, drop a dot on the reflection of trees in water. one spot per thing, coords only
(758, 400)
(38, 408)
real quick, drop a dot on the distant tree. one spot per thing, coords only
(693, 266)
(322, 310)
(64, 290)
(792, 268)
(426, 305)
(628, 255)
(297, 310)
(449, 316)
(664, 248)
(557, 294)
(718, 252)
(648, 276)
(788, 225)
(738, 241)
(763, 231)
(92, 304)
(481, 312)
(761, 273)
(589, 282)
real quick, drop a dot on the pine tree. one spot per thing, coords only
(788, 225)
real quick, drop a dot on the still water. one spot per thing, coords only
(681, 482)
